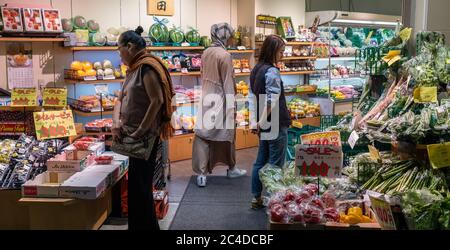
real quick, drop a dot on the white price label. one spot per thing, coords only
(354, 137)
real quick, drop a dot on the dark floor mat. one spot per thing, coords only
(223, 205)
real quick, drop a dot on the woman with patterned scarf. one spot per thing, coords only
(144, 110)
(215, 132)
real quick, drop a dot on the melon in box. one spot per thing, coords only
(60, 163)
(45, 185)
(124, 160)
(95, 148)
(84, 185)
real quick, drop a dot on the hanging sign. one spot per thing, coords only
(24, 97)
(160, 7)
(55, 97)
(318, 161)
(392, 57)
(439, 155)
(54, 124)
(383, 212)
(325, 138)
(425, 95)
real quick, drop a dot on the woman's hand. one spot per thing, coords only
(117, 134)
(256, 131)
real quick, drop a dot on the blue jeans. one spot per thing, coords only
(269, 152)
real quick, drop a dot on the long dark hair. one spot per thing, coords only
(134, 37)
(270, 48)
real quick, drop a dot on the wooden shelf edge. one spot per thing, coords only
(31, 39)
(91, 114)
(292, 58)
(297, 72)
(69, 81)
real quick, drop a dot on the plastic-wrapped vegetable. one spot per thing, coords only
(79, 22)
(158, 32)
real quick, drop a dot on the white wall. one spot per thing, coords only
(115, 13)
(438, 17)
(292, 8)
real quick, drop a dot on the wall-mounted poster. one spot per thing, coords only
(160, 7)
(19, 58)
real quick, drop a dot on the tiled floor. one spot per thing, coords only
(181, 172)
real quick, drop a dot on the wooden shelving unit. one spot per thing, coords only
(292, 58)
(241, 51)
(31, 39)
(69, 81)
(185, 74)
(152, 48)
(92, 114)
(299, 93)
(243, 74)
(298, 72)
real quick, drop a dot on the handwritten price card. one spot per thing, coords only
(318, 161)
(383, 213)
(24, 97)
(326, 138)
(55, 97)
(439, 155)
(54, 124)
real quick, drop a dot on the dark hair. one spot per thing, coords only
(133, 37)
(270, 48)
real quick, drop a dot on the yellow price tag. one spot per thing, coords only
(405, 34)
(392, 57)
(21, 97)
(54, 124)
(425, 95)
(375, 153)
(439, 155)
(55, 97)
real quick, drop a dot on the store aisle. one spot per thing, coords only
(181, 175)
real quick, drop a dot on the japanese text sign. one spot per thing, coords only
(55, 97)
(383, 213)
(54, 124)
(24, 97)
(160, 7)
(318, 161)
(325, 138)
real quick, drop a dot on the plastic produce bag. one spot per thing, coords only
(158, 32)
(193, 37)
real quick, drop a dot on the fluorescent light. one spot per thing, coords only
(365, 22)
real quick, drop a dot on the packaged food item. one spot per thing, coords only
(104, 160)
(33, 21)
(52, 21)
(245, 65)
(12, 19)
(237, 66)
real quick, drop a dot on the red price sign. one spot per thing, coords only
(383, 213)
(318, 161)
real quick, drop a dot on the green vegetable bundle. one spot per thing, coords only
(403, 176)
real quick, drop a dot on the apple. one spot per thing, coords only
(278, 213)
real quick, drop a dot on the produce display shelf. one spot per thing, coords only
(297, 43)
(310, 121)
(300, 93)
(337, 59)
(242, 74)
(185, 74)
(91, 114)
(247, 51)
(70, 81)
(189, 104)
(291, 58)
(31, 39)
(152, 48)
(37, 108)
(297, 72)
(95, 133)
(155, 48)
(342, 101)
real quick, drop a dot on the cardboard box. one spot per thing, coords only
(73, 154)
(125, 160)
(84, 185)
(60, 163)
(113, 171)
(45, 185)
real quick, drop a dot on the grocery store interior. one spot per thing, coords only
(366, 83)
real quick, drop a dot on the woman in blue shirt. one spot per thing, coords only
(270, 116)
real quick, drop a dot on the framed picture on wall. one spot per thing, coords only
(160, 7)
